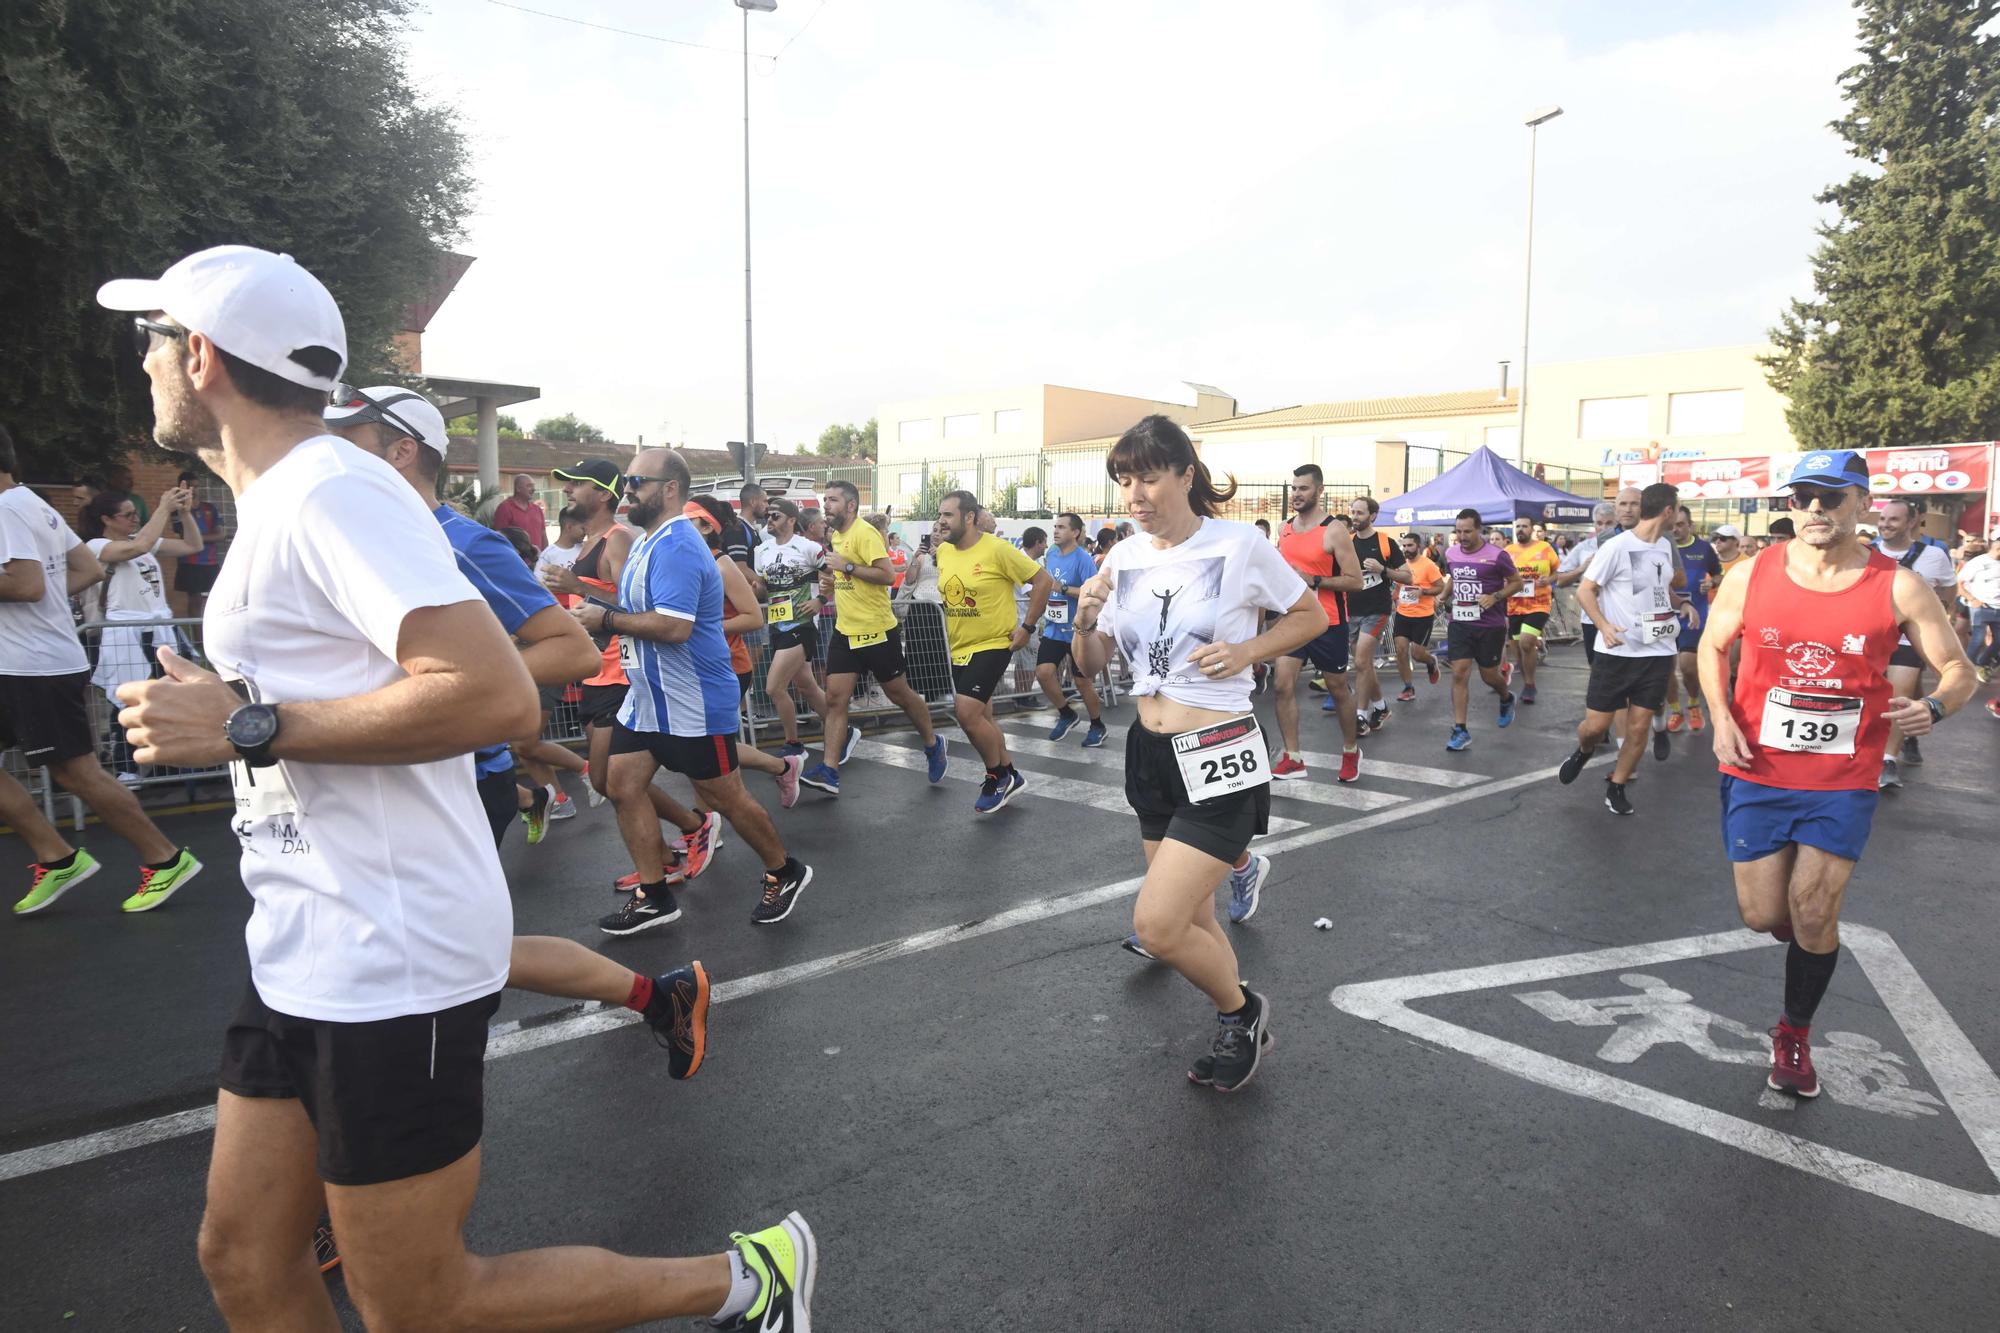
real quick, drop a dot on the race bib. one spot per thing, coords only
(1228, 757)
(1810, 723)
(1656, 628)
(867, 640)
(1528, 587)
(780, 611)
(261, 793)
(1466, 611)
(1370, 580)
(1409, 595)
(1057, 613)
(628, 653)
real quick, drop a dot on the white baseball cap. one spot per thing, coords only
(1726, 530)
(253, 304)
(398, 408)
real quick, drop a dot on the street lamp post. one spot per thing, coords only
(749, 388)
(1535, 121)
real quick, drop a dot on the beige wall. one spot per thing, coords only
(1050, 414)
(1345, 450)
(1557, 392)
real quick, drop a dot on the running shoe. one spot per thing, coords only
(48, 885)
(1527, 694)
(673, 872)
(536, 816)
(822, 778)
(933, 758)
(678, 1015)
(325, 1253)
(1431, 670)
(784, 1259)
(1287, 768)
(790, 748)
(1891, 775)
(1326, 705)
(701, 845)
(1246, 887)
(641, 914)
(1094, 738)
(1506, 710)
(1507, 674)
(1408, 695)
(1064, 721)
(1572, 767)
(1993, 709)
(780, 892)
(1675, 722)
(853, 739)
(1661, 747)
(562, 807)
(788, 781)
(1203, 1071)
(1460, 739)
(1911, 754)
(1363, 724)
(1260, 677)
(1130, 944)
(1350, 766)
(1315, 684)
(156, 886)
(1378, 717)
(996, 791)
(1239, 1044)
(1695, 720)
(595, 796)
(1614, 798)
(1791, 1062)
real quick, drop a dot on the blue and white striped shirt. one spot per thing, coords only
(686, 688)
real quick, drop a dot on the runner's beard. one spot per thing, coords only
(183, 422)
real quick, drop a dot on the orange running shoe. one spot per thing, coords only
(1695, 720)
(1675, 721)
(702, 844)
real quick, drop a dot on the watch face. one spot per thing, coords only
(252, 725)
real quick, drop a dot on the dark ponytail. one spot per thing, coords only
(1158, 444)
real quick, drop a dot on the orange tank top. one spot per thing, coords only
(1306, 552)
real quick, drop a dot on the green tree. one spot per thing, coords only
(936, 487)
(848, 441)
(1900, 343)
(510, 429)
(133, 132)
(468, 424)
(569, 429)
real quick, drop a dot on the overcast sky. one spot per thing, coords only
(1295, 200)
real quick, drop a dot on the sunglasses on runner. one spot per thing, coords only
(632, 481)
(1828, 498)
(365, 409)
(143, 330)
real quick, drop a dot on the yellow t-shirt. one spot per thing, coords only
(978, 590)
(1728, 565)
(860, 609)
(1536, 562)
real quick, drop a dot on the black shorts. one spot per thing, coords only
(1221, 827)
(390, 1099)
(598, 705)
(497, 799)
(1054, 652)
(1618, 683)
(1906, 655)
(1589, 643)
(978, 678)
(1328, 652)
(697, 758)
(48, 717)
(804, 634)
(1374, 624)
(1482, 644)
(882, 659)
(1534, 620)
(744, 680)
(1417, 629)
(197, 579)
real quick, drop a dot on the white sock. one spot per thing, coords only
(743, 1287)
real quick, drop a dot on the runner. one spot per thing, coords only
(787, 575)
(1183, 601)
(681, 712)
(1069, 566)
(1902, 540)
(1629, 591)
(1528, 610)
(1384, 571)
(1729, 553)
(1701, 569)
(855, 577)
(379, 940)
(1320, 551)
(1800, 746)
(1482, 579)
(978, 573)
(1416, 615)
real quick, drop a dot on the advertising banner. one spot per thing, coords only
(1945, 469)
(1718, 478)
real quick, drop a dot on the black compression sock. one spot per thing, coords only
(1806, 978)
(64, 864)
(653, 891)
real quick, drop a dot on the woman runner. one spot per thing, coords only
(1182, 600)
(788, 574)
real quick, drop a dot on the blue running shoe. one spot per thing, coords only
(1064, 721)
(934, 752)
(790, 748)
(1506, 710)
(1326, 705)
(1461, 739)
(1095, 736)
(1246, 887)
(823, 778)
(996, 791)
(853, 739)
(1130, 944)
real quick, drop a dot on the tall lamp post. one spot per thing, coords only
(1535, 121)
(749, 388)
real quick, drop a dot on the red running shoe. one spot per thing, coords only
(1791, 1062)
(1993, 708)
(671, 872)
(1287, 768)
(1675, 722)
(1350, 765)
(1507, 674)
(702, 844)
(1431, 670)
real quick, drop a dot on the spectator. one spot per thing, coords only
(568, 545)
(1264, 527)
(815, 527)
(118, 481)
(523, 511)
(132, 600)
(87, 490)
(899, 555)
(195, 574)
(753, 506)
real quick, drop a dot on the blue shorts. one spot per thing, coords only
(1688, 640)
(1327, 652)
(1760, 821)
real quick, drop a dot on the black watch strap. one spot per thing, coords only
(1937, 709)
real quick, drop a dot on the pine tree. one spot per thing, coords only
(1901, 342)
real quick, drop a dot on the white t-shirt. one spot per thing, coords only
(789, 572)
(1578, 557)
(1932, 565)
(378, 890)
(38, 638)
(1635, 581)
(132, 589)
(1165, 603)
(559, 557)
(1981, 579)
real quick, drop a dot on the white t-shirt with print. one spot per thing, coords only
(1980, 577)
(38, 638)
(1165, 603)
(132, 589)
(558, 557)
(1634, 581)
(378, 891)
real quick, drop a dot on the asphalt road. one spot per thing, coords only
(989, 1127)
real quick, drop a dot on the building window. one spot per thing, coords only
(911, 484)
(961, 426)
(1611, 419)
(1503, 439)
(924, 428)
(1716, 412)
(1007, 421)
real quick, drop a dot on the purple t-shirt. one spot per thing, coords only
(1473, 575)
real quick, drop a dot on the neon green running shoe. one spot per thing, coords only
(156, 886)
(785, 1259)
(50, 885)
(536, 816)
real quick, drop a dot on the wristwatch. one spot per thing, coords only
(251, 729)
(1937, 709)
(848, 569)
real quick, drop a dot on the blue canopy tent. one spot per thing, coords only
(1487, 482)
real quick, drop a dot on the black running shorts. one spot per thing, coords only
(1221, 827)
(980, 676)
(1053, 652)
(1535, 620)
(802, 634)
(1618, 683)
(1417, 629)
(598, 705)
(882, 659)
(390, 1099)
(1479, 644)
(48, 717)
(1906, 655)
(697, 758)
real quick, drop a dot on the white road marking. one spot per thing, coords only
(514, 1039)
(1067, 748)
(1968, 1084)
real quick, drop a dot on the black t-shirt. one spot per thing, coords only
(1374, 600)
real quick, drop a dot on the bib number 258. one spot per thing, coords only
(1223, 767)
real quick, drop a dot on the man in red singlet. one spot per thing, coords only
(1801, 743)
(1322, 551)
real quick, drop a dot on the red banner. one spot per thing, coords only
(1718, 478)
(1947, 469)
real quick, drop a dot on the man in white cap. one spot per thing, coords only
(352, 1076)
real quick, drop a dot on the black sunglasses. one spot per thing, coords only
(632, 481)
(143, 330)
(348, 398)
(1828, 498)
